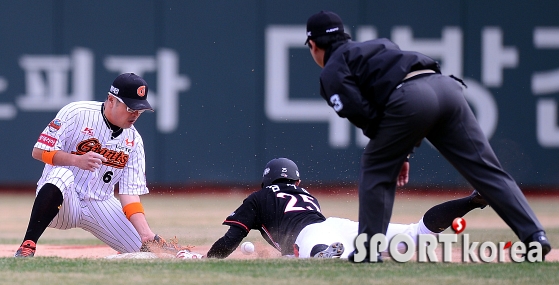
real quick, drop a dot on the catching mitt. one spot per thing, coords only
(160, 245)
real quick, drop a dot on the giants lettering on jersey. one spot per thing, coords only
(116, 159)
(46, 139)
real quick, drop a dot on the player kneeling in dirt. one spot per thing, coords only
(87, 149)
(290, 219)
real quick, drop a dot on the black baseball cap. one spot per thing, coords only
(133, 90)
(324, 23)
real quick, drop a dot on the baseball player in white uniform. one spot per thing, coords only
(87, 149)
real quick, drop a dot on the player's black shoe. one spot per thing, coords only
(478, 200)
(542, 239)
(367, 259)
(335, 250)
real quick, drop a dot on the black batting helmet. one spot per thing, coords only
(279, 168)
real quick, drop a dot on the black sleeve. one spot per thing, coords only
(224, 246)
(341, 92)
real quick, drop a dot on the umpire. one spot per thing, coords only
(398, 98)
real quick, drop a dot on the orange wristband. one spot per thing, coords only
(132, 208)
(48, 155)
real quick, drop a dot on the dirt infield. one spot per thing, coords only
(101, 251)
(196, 220)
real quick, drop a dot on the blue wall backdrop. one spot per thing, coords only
(234, 86)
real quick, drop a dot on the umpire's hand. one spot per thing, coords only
(403, 177)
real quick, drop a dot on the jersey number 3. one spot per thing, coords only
(294, 201)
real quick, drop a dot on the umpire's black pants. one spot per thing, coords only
(434, 107)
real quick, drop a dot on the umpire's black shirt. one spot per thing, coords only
(358, 77)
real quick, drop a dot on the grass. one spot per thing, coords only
(45, 270)
(197, 220)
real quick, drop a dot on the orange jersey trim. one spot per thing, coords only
(237, 223)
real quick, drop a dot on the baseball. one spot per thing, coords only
(247, 247)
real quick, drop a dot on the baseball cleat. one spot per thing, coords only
(477, 199)
(335, 250)
(27, 249)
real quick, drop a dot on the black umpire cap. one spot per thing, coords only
(279, 168)
(324, 23)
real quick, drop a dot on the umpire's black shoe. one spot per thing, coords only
(351, 258)
(478, 200)
(542, 239)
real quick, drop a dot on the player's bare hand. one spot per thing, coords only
(90, 161)
(403, 177)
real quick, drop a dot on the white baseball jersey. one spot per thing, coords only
(345, 231)
(89, 200)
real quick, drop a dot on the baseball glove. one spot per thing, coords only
(160, 245)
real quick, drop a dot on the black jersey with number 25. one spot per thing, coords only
(279, 211)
